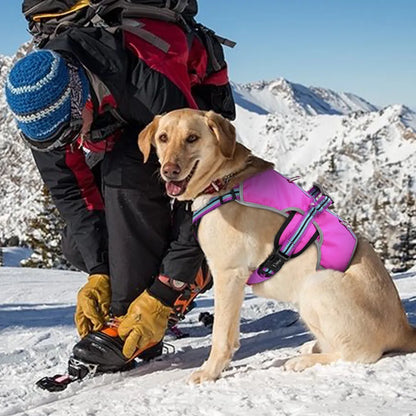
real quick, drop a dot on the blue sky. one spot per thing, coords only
(367, 47)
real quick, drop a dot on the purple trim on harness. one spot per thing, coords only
(214, 203)
(256, 278)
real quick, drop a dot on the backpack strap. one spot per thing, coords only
(99, 92)
(180, 6)
(225, 41)
(135, 27)
(134, 10)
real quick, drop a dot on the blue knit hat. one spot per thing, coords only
(45, 93)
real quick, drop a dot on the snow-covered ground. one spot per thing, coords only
(37, 334)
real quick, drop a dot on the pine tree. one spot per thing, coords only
(383, 229)
(43, 236)
(381, 244)
(405, 250)
(332, 166)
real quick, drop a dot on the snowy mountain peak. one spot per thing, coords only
(285, 97)
(343, 103)
(281, 86)
(406, 116)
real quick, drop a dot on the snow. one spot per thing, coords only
(37, 333)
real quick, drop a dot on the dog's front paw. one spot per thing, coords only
(201, 376)
(310, 347)
(298, 363)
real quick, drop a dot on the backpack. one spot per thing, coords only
(49, 19)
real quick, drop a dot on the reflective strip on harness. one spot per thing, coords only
(214, 203)
(322, 204)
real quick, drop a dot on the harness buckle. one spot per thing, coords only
(233, 193)
(273, 263)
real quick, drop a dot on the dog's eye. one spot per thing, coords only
(192, 138)
(163, 138)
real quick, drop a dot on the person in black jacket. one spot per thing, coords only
(80, 104)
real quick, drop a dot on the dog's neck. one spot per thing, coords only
(243, 165)
(230, 173)
(219, 184)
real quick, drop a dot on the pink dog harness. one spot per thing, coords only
(308, 221)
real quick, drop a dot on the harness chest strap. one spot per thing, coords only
(285, 250)
(321, 204)
(214, 203)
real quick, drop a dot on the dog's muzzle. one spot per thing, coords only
(177, 188)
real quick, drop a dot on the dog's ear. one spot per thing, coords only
(224, 131)
(147, 138)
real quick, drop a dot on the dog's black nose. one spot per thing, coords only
(171, 170)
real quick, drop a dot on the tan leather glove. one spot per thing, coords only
(93, 304)
(145, 323)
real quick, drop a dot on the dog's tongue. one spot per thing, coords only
(175, 188)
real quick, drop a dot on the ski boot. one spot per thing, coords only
(185, 302)
(99, 352)
(105, 349)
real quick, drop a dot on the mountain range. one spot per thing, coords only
(362, 154)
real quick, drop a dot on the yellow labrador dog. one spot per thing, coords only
(354, 316)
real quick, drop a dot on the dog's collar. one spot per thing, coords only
(221, 183)
(217, 185)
